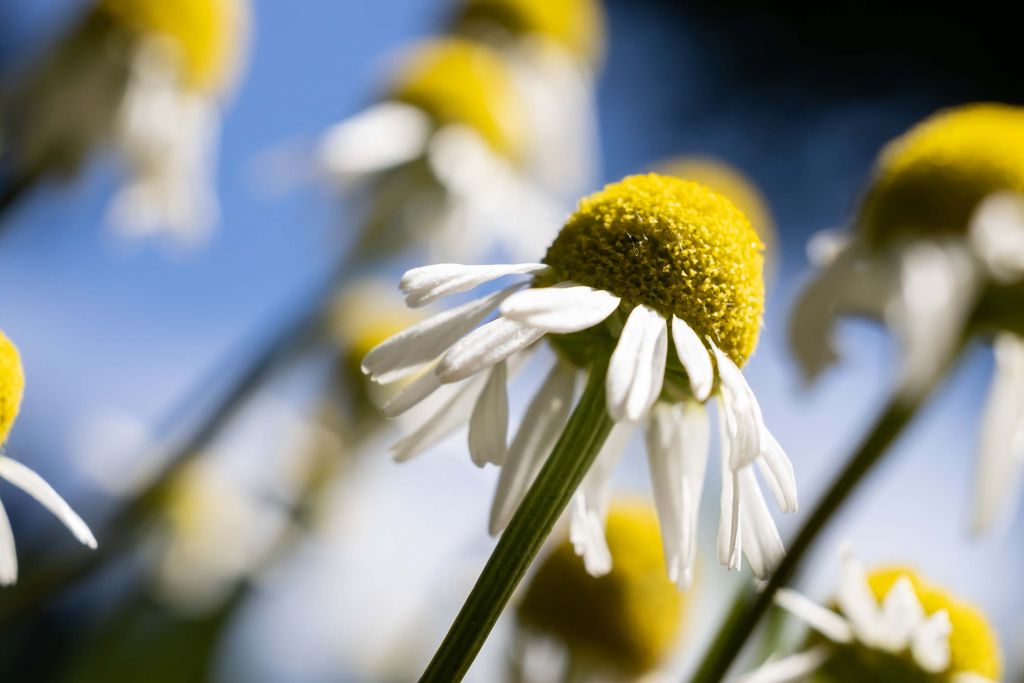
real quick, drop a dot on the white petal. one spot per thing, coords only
(825, 246)
(695, 359)
(636, 371)
(539, 431)
(488, 427)
(902, 614)
(742, 413)
(729, 554)
(428, 283)
(8, 553)
(930, 644)
(777, 471)
(564, 308)
(1001, 448)
(34, 485)
(407, 351)
(485, 346)
(412, 393)
(450, 415)
(762, 544)
(788, 669)
(821, 619)
(857, 601)
(383, 136)
(969, 677)
(997, 235)
(590, 504)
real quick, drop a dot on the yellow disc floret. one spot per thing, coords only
(674, 245)
(628, 619)
(576, 25)
(930, 180)
(457, 81)
(12, 385)
(208, 34)
(973, 644)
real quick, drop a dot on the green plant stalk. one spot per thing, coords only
(751, 605)
(582, 438)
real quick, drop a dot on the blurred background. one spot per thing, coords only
(129, 344)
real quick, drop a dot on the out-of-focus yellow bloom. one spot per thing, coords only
(457, 81)
(12, 386)
(930, 180)
(576, 25)
(208, 35)
(628, 619)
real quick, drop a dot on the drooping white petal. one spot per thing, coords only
(590, 504)
(902, 614)
(385, 135)
(997, 235)
(729, 552)
(930, 644)
(485, 346)
(857, 601)
(821, 619)
(488, 427)
(695, 359)
(636, 371)
(34, 485)
(411, 394)
(742, 413)
(541, 426)
(8, 553)
(762, 544)
(777, 471)
(410, 349)
(451, 414)
(562, 309)
(825, 246)
(788, 669)
(677, 451)
(1001, 447)
(429, 283)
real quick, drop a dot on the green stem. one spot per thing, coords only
(585, 433)
(751, 605)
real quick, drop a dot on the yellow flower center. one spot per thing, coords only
(12, 386)
(577, 25)
(456, 81)
(930, 180)
(628, 619)
(675, 246)
(208, 34)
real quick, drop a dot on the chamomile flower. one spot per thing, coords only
(149, 77)
(619, 626)
(12, 386)
(442, 154)
(937, 254)
(647, 263)
(889, 625)
(554, 49)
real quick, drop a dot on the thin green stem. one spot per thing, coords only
(751, 605)
(585, 433)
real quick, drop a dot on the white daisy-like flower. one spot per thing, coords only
(441, 155)
(12, 384)
(887, 625)
(938, 255)
(646, 265)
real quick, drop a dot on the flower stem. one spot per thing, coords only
(582, 438)
(751, 605)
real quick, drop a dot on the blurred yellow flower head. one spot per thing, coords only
(577, 25)
(674, 245)
(12, 385)
(931, 180)
(628, 619)
(457, 81)
(208, 34)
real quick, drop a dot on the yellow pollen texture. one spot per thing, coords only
(628, 619)
(930, 180)
(457, 81)
(674, 245)
(12, 386)
(208, 33)
(577, 25)
(973, 642)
